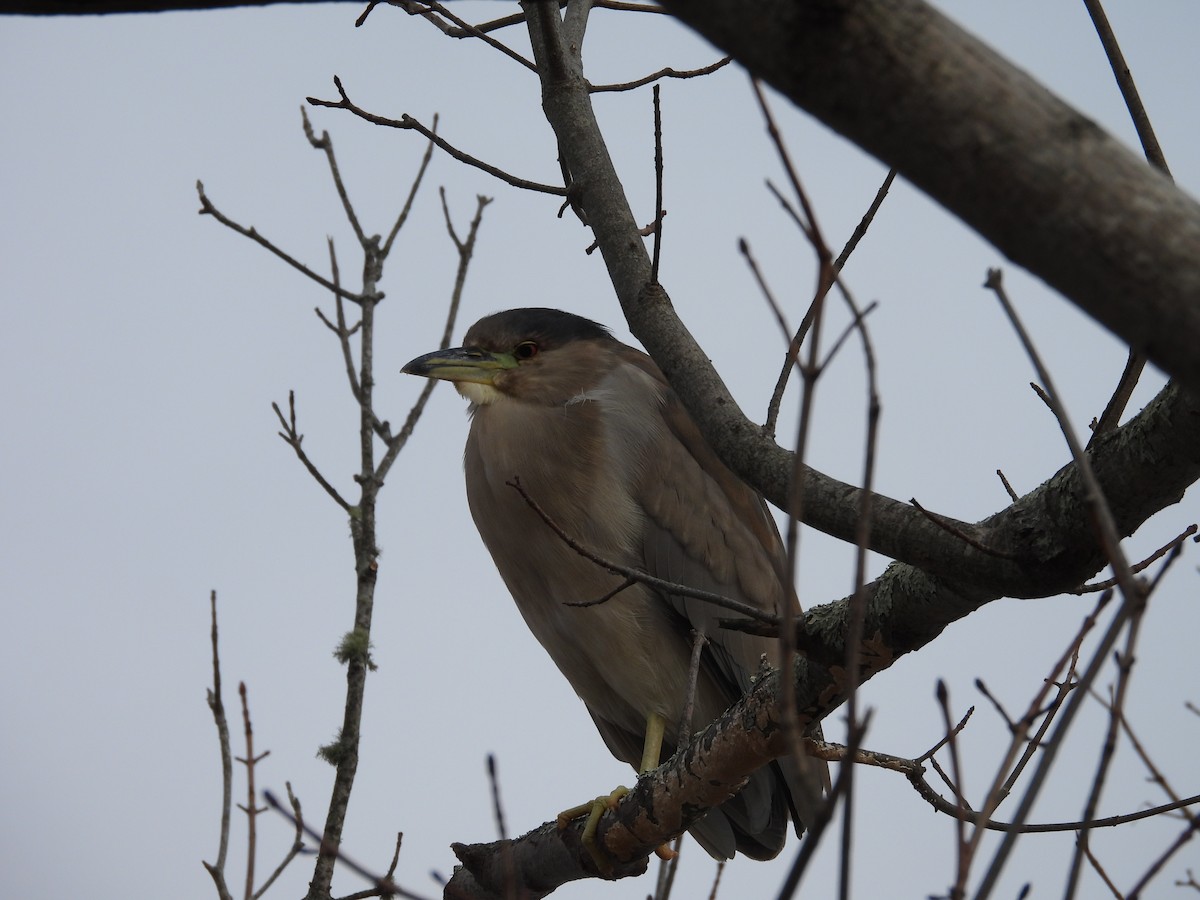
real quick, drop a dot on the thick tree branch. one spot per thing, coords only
(909, 86)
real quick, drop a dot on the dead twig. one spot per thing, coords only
(408, 123)
(217, 706)
(208, 209)
(665, 72)
(1143, 565)
(295, 440)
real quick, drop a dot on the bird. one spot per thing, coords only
(592, 432)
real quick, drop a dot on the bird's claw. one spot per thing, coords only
(593, 809)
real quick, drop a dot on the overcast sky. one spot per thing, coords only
(143, 344)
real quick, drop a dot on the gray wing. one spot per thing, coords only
(707, 529)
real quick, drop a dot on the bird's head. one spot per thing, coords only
(535, 355)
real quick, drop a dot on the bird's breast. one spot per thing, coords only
(568, 462)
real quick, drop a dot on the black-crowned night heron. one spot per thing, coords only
(603, 445)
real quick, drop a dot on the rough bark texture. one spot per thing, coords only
(1038, 179)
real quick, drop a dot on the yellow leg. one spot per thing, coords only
(651, 752)
(656, 725)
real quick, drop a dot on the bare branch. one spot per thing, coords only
(217, 706)
(207, 209)
(294, 440)
(439, 15)
(1008, 487)
(860, 230)
(325, 142)
(297, 844)
(665, 72)
(250, 761)
(497, 806)
(1129, 91)
(1186, 835)
(659, 212)
(407, 122)
(1162, 551)
(953, 528)
(412, 194)
(382, 884)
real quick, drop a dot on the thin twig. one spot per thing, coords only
(1186, 835)
(467, 29)
(383, 886)
(962, 849)
(658, 187)
(343, 333)
(951, 528)
(420, 9)
(207, 209)
(1143, 565)
(914, 771)
(1156, 775)
(412, 193)
(408, 123)
(1129, 91)
(497, 806)
(297, 843)
(1008, 487)
(250, 761)
(946, 738)
(864, 223)
(217, 706)
(325, 143)
(665, 72)
(996, 705)
(1091, 858)
(854, 325)
(294, 440)
(1064, 688)
(776, 401)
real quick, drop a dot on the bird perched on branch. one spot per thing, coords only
(600, 442)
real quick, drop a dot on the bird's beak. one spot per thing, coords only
(469, 364)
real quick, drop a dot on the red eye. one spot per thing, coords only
(525, 350)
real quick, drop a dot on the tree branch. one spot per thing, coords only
(408, 123)
(910, 87)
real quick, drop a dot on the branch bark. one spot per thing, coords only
(1035, 177)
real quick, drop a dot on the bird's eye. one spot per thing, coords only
(525, 350)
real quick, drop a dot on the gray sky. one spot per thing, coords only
(143, 344)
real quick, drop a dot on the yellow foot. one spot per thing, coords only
(593, 810)
(665, 853)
